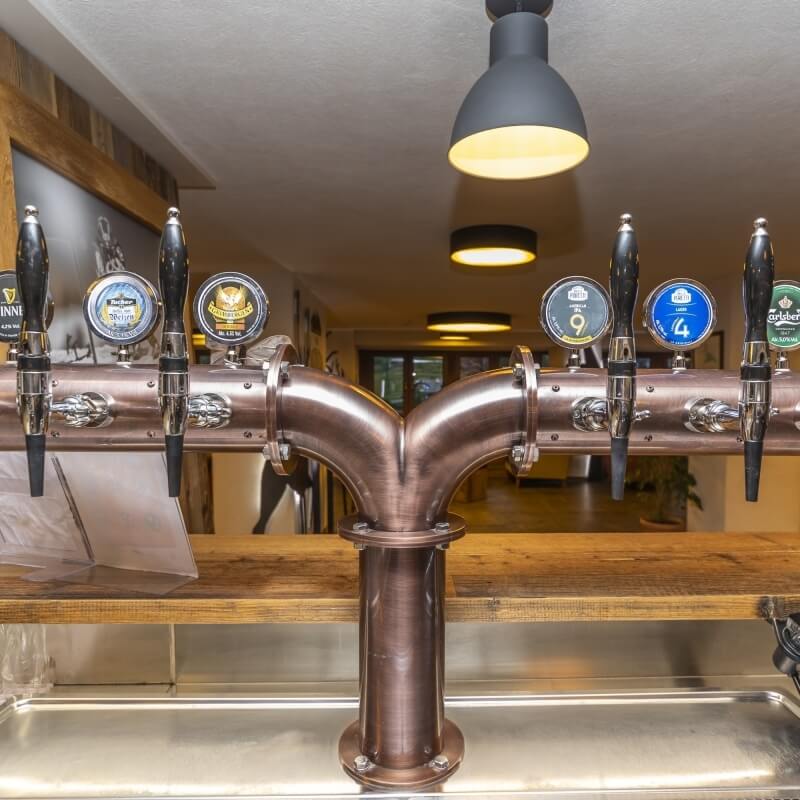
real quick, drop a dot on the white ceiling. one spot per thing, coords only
(325, 126)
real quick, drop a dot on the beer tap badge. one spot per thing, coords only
(11, 307)
(783, 320)
(575, 312)
(680, 314)
(122, 308)
(231, 309)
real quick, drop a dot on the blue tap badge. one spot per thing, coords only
(121, 308)
(680, 314)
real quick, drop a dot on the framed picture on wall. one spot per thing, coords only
(86, 239)
(97, 218)
(711, 353)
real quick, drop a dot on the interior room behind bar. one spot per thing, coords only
(399, 400)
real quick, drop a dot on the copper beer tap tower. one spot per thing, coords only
(401, 473)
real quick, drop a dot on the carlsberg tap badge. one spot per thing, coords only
(783, 320)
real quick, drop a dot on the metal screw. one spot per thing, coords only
(151, 434)
(442, 527)
(443, 546)
(55, 383)
(359, 546)
(248, 434)
(440, 762)
(651, 388)
(556, 388)
(248, 385)
(649, 437)
(361, 763)
(55, 434)
(150, 384)
(285, 369)
(284, 450)
(519, 372)
(361, 526)
(553, 437)
(517, 453)
(739, 439)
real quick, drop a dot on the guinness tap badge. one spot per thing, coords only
(11, 307)
(231, 309)
(122, 308)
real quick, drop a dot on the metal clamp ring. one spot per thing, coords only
(278, 452)
(355, 530)
(524, 369)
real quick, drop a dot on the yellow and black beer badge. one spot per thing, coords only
(231, 308)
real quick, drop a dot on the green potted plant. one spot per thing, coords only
(667, 486)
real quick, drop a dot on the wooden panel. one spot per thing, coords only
(102, 133)
(24, 71)
(491, 578)
(73, 110)
(32, 129)
(37, 81)
(8, 209)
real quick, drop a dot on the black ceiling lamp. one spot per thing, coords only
(493, 245)
(521, 119)
(469, 322)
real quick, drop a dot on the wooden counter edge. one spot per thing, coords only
(474, 609)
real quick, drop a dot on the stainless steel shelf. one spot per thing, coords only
(687, 744)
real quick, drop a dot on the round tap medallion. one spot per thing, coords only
(122, 308)
(783, 320)
(231, 308)
(575, 312)
(11, 307)
(680, 314)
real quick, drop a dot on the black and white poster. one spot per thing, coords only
(86, 239)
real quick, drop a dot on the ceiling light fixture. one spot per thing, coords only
(469, 322)
(521, 119)
(454, 337)
(493, 246)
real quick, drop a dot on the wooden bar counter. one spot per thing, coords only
(490, 578)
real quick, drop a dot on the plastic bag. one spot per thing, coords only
(25, 667)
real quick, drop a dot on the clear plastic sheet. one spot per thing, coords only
(25, 668)
(105, 520)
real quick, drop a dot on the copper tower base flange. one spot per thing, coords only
(441, 767)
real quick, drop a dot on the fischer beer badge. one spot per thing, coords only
(575, 312)
(783, 320)
(122, 308)
(231, 309)
(680, 314)
(11, 307)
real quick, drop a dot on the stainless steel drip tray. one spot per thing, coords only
(677, 744)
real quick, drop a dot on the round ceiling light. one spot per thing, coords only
(469, 322)
(493, 246)
(521, 119)
(454, 337)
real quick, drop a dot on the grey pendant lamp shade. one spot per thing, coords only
(521, 119)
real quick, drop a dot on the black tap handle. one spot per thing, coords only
(759, 274)
(173, 272)
(624, 279)
(33, 268)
